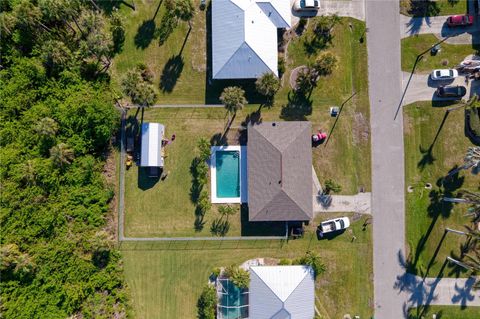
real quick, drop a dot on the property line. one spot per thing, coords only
(140, 239)
(135, 106)
(121, 201)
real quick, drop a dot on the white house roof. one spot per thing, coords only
(281, 292)
(152, 135)
(244, 36)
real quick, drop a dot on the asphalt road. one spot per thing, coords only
(388, 185)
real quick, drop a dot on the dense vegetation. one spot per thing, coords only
(57, 117)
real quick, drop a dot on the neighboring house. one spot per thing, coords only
(151, 154)
(244, 37)
(281, 292)
(279, 168)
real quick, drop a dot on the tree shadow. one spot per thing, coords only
(220, 226)
(109, 6)
(427, 155)
(101, 258)
(145, 34)
(249, 228)
(196, 187)
(218, 139)
(171, 72)
(464, 294)
(251, 119)
(298, 107)
(423, 8)
(199, 222)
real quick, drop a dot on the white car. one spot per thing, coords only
(333, 225)
(306, 5)
(444, 74)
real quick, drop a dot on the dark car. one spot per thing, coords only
(460, 21)
(451, 91)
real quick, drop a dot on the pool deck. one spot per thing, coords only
(243, 198)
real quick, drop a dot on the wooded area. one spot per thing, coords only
(57, 118)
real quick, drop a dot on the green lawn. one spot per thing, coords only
(433, 8)
(165, 208)
(165, 279)
(449, 56)
(444, 312)
(427, 159)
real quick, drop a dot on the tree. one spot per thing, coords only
(268, 84)
(306, 81)
(14, 262)
(234, 99)
(227, 211)
(325, 64)
(313, 260)
(182, 9)
(47, 127)
(56, 56)
(239, 276)
(470, 161)
(117, 29)
(61, 155)
(139, 91)
(130, 83)
(469, 198)
(207, 303)
(332, 186)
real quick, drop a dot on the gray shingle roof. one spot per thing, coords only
(280, 171)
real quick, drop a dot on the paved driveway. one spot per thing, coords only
(422, 88)
(343, 8)
(412, 26)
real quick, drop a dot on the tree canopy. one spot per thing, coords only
(58, 117)
(233, 98)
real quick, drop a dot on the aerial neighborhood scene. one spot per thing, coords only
(235, 159)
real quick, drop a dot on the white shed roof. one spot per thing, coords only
(152, 135)
(285, 292)
(244, 36)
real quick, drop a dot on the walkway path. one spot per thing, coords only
(422, 25)
(388, 185)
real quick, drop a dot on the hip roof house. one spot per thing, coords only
(281, 292)
(244, 37)
(279, 168)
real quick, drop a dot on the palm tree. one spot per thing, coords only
(46, 127)
(325, 64)
(182, 9)
(267, 85)
(233, 98)
(61, 155)
(471, 198)
(470, 161)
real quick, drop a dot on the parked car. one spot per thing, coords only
(333, 225)
(451, 91)
(460, 20)
(444, 74)
(306, 5)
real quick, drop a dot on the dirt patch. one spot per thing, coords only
(407, 125)
(361, 129)
(294, 75)
(110, 174)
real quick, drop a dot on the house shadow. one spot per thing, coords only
(144, 182)
(249, 228)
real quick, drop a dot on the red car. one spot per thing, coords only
(460, 21)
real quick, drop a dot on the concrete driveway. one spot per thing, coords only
(422, 88)
(343, 8)
(436, 25)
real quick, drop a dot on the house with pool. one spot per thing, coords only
(272, 173)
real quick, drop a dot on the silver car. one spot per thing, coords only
(306, 5)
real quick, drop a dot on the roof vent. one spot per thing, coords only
(253, 21)
(274, 124)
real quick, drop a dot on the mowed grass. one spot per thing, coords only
(452, 54)
(165, 208)
(437, 7)
(184, 68)
(165, 279)
(428, 158)
(447, 312)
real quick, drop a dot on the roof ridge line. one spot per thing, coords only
(305, 266)
(263, 281)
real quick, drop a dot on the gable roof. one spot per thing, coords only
(280, 171)
(151, 145)
(281, 292)
(244, 37)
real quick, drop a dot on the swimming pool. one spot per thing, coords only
(228, 166)
(228, 173)
(232, 301)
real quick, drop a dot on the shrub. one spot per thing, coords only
(313, 260)
(145, 72)
(216, 271)
(204, 147)
(207, 303)
(332, 186)
(240, 277)
(204, 204)
(285, 262)
(325, 63)
(475, 120)
(281, 66)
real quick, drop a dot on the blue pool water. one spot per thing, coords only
(228, 173)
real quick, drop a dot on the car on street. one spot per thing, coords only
(333, 225)
(444, 74)
(460, 20)
(451, 91)
(306, 5)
